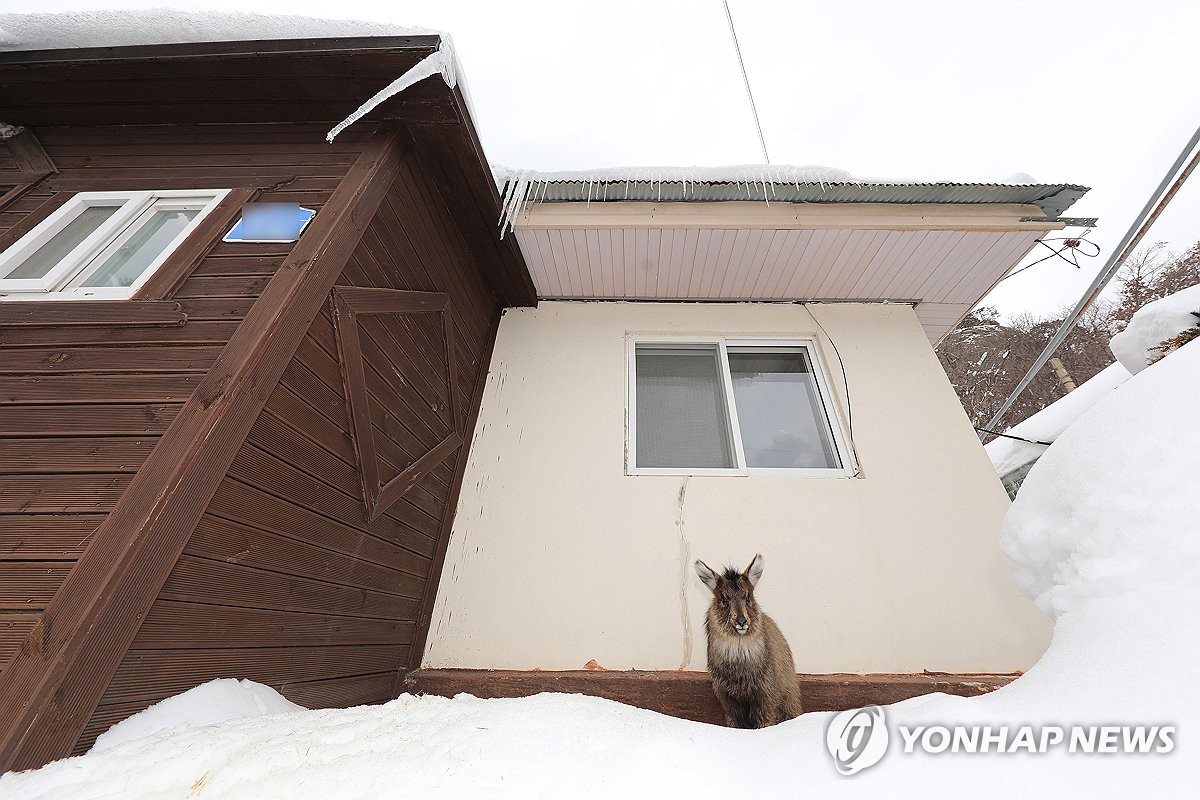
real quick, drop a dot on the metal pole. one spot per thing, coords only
(1134, 235)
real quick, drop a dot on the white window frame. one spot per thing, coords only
(829, 406)
(63, 281)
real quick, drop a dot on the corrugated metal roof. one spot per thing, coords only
(1053, 199)
(771, 184)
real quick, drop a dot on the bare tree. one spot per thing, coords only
(1137, 280)
(985, 358)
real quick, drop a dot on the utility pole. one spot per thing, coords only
(1064, 377)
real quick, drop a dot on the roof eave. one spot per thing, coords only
(191, 50)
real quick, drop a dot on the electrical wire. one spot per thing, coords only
(845, 387)
(1010, 436)
(746, 81)
(1071, 244)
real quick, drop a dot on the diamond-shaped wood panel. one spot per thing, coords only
(396, 350)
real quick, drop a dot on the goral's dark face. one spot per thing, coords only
(736, 608)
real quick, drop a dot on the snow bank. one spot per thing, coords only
(1103, 536)
(1111, 510)
(1153, 323)
(1047, 424)
(208, 704)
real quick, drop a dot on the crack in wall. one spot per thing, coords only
(685, 561)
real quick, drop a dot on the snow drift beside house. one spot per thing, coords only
(1151, 324)
(1047, 424)
(1102, 536)
(208, 704)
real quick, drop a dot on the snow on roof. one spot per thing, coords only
(121, 28)
(1151, 324)
(766, 182)
(1102, 536)
(1047, 424)
(124, 27)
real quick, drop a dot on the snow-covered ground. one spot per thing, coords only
(1103, 536)
(1049, 423)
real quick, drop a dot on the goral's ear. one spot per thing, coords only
(706, 574)
(754, 571)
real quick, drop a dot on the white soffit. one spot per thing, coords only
(941, 258)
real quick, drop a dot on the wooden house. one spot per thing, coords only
(253, 458)
(248, 464)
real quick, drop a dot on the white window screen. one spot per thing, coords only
(681, 417)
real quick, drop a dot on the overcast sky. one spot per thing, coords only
(1099, 93)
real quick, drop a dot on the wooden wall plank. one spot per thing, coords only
(194, 332)
(354, 690)
(250, 506)
(94, 617)
(69, 456)
(46, 536)
(42, 314)
(149, 675)
(176, 625)
(108, 359)
(29, 585)
(88, 388)
(304, 553)
(77, 494)
(202, 580)
(86, 419)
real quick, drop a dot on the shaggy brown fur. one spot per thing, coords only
(753, 674)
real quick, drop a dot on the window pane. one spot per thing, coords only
(131, 259)
(779, 410)
(46, 257)
(681, 419)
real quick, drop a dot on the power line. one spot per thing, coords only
(746, 81)
(1010, 436)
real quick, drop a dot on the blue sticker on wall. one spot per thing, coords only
(270, 222)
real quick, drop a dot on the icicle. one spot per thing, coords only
(439, 62)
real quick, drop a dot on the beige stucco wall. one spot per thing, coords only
(557, 557)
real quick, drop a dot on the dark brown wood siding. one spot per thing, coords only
(82, 403)
(284, 580)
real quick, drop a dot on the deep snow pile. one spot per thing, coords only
(1049, 423)
(208, 704)
(1153, 323)
(1103, 536)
